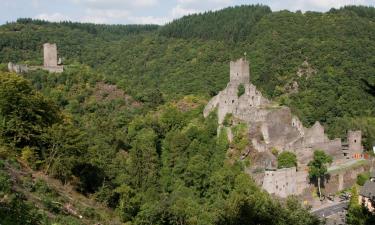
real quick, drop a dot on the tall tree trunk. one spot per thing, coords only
(320, 193)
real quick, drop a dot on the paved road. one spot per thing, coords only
(330, 210)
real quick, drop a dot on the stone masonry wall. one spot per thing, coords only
(50, 55)
(281, 182)
(50, 58)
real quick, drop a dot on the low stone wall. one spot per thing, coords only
(345, 178)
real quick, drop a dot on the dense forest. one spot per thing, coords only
(123, 123)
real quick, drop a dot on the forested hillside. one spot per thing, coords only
(123, 123)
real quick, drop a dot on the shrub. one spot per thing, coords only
(29, 155)
(228, 120)
(240, 90)
(286, 160)
(274, 151)
(362, 178)
(5, 183)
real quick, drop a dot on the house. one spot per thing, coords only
(367, 194)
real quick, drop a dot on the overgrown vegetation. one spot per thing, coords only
(123, 124)
(362, 178)
(286, 160)
(357, 214)
(318, 167)
(241, 90)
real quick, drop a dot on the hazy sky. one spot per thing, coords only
(144, 11)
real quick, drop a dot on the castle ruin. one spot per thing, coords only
(271, 126)
(50, 62)
(50, 58)
(17, 68)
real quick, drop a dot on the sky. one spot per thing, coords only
(144, 11)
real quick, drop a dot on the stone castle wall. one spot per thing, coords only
(50, 55)
(274, 127)
(240, 71)
(355, 142)
(285, 182)
(16, 68)
(50, 58)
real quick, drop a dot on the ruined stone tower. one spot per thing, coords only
(50, 55)
(240, 71)
(355, 143)
(50, 58)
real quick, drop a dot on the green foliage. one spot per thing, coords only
(13, 207)
(144, 160)
(5, 184)
(24, 113)
(240, 137)
(66, 144)
(357, 214)
(228, 120)
(274, 151)
(318, 166)
(29, 155)
(286, 160)
(128, 138)
(231, 24)
(362, 178)
(241, 90)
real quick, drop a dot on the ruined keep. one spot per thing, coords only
(50, 63)
(50, 58)
(271, 126)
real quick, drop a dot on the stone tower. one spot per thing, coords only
(355, 143)
(50, 55)
(239, 71)
(50, 58)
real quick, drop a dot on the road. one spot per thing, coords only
(330, 210)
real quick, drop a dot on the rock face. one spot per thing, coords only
(50, 58)
(274, 127)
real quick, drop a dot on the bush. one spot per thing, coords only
(274, 151)
(241, 90)
(362, 178)
(29, 155)
(286, 160)
(4, 151)
(5, 184)
(228, 120)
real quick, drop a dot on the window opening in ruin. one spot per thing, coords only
(232, 101)
(355, 141)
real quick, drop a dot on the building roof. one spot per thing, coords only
(368, 190)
